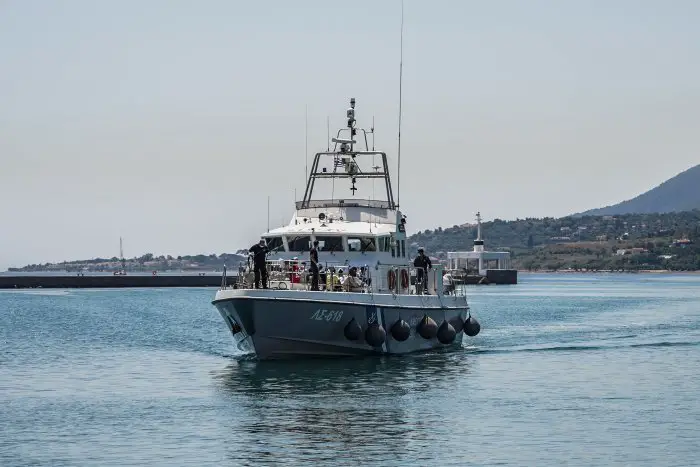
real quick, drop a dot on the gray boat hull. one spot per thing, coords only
(303, 324)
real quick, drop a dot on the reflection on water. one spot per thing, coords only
(384, 374)
(368, 406)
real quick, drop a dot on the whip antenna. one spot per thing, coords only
(398, 178)
(306, 142)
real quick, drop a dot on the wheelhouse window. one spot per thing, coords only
(362, 244)
(300, 243)
(275, 243)
(384, 243)
(330, 243)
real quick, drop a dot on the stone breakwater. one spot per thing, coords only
(106, 281)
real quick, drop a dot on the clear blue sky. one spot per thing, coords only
(169, 122)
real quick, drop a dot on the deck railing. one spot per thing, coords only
(380, 278)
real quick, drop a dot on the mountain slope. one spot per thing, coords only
(680, 193)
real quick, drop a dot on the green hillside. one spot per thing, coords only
(649, 241)
(590, 242)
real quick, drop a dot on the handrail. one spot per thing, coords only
(292, 272)
(343, 203)
(433, 282)
(298, 272)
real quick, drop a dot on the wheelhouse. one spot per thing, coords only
(367, 229)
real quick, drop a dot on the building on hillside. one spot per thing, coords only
(681, 243)
(559, 239)
(631, 251)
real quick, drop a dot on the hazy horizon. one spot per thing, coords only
(168, 123)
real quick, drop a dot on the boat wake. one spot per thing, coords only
(53, 293)
(582, 347)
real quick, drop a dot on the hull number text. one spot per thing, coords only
(327, 315)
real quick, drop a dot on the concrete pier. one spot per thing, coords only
(46, 281)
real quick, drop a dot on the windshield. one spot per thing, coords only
(330, 243)
(300, 243)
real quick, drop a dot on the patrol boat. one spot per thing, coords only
(386, 312)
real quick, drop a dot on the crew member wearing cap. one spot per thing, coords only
(259, 250)
(422, 263)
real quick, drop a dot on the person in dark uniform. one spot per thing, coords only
(313, 266)
(259, 251)
(422, 263)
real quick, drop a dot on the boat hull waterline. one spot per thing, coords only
(275, 324)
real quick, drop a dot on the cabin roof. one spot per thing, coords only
(332, 228)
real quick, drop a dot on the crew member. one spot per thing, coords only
(295, 271)
(352, 283)
(364, 276)
(259, 251)
(313, 267)
(332, 281)
(341, 280)
(422, 264)
(447, 282)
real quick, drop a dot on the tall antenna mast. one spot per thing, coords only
(398, 178)
(328, 133)
(306, 142)
(268, 213)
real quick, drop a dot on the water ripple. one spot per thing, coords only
(568, 370)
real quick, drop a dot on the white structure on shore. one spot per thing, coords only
(484, 260)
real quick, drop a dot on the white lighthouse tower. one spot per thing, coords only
(479, 242)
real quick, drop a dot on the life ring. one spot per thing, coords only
(391, 276)
(404, 279)
(154, 273)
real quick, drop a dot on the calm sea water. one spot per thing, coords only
(568, 370)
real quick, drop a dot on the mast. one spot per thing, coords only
(345, 166)
(351, 124)
(398, 175)
(306, 142)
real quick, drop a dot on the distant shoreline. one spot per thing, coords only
(187, 272)
(642, 271)
(196, 272)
